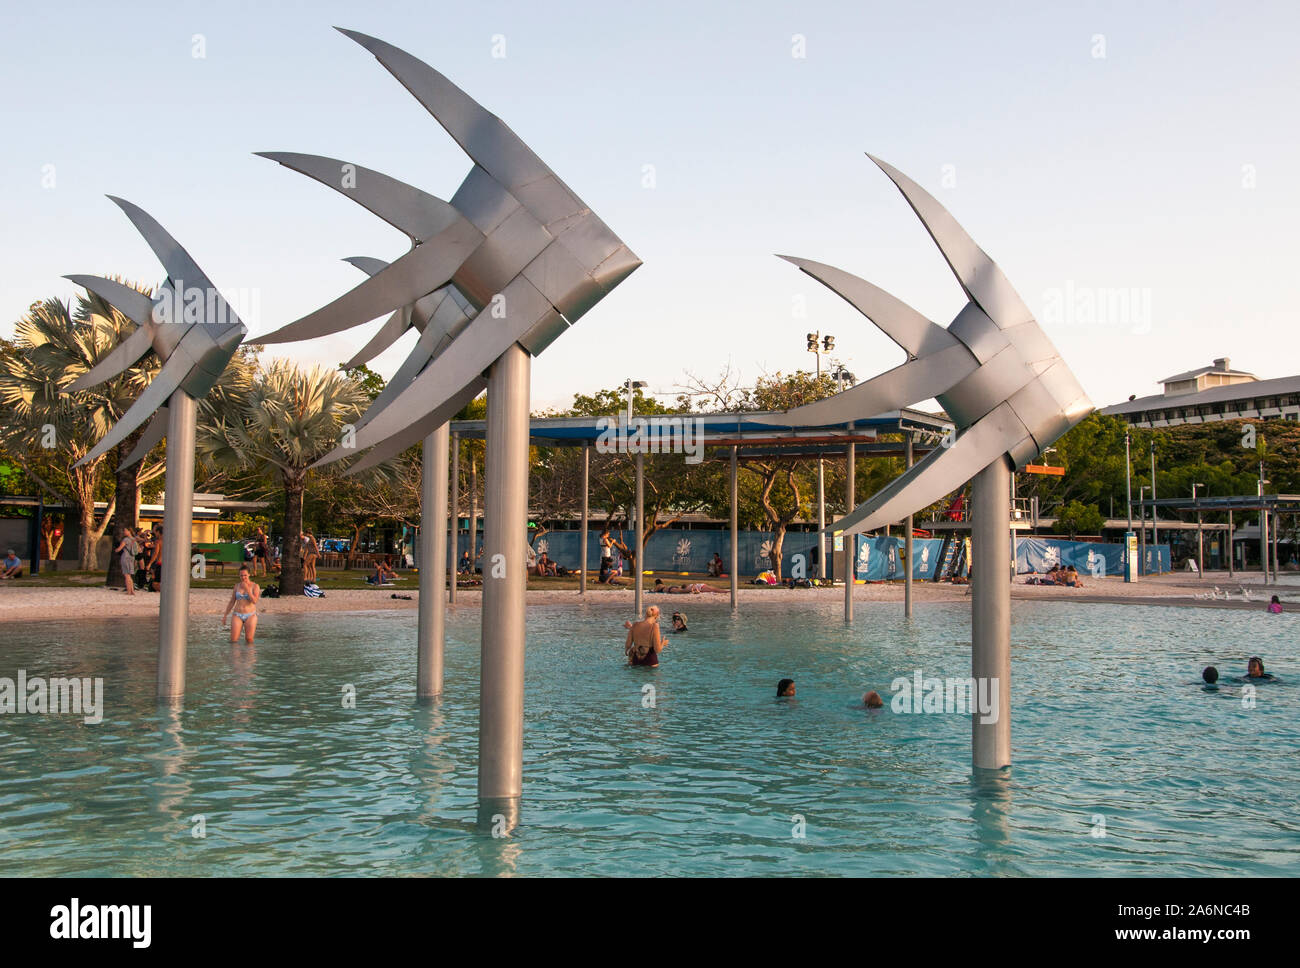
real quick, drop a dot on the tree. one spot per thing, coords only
(284, 422)
(52, 348)
(1077, 517)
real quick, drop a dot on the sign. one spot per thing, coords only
(1045, 469)
(1130, 556)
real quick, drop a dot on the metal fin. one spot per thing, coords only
(122, 356)
(419, 356)
(979, 275)
(417, 431)
(421, 271)
(408, 209)
(152, 436)
(483, 136)
(131, 303)
(940, 472)
(895, 318)
(900, 387)
(173, 373)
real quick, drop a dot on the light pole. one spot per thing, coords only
(1200, 542)
(1263, 524)
(1155, 532)
(1142, 527)
(632, 387)
(817, 345)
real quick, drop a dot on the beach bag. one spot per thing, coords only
(312, 591)
(271, 591)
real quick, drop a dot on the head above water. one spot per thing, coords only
(1255, 667)
(1210, 675)
(1275, 601)
(785, 688)
(872, 700)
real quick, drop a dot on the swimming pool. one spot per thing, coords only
(1111, 735)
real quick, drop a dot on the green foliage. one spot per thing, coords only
(1078, 518)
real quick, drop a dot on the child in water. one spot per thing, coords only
(1275, 607)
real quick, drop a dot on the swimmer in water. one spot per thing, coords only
(785, 688)
(872, 700)
(244, 602)
(1255, 669)
(679, 622)
(1210, 676)
(644, 641)
(1275, 606)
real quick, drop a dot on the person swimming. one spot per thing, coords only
(1210, 675)
(679, 622)
(1255, 669)
(1275, 606)
(785, 688)
(872, 700)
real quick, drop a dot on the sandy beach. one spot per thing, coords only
(32, 604)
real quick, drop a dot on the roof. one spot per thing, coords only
(722, 429)
(1213, 368)
(1237, 391)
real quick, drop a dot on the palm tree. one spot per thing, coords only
(285, 421)
(52, 348)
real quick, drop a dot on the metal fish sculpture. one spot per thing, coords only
(993, 370)
(515, 256)
(187, 324)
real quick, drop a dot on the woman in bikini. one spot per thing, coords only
(244, 602)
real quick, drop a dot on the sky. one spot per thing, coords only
(1131, 167)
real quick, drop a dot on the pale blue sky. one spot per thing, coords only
(1079, 174)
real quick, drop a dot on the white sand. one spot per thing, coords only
(31, 604)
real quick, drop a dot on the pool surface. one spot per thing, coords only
(1123, 765)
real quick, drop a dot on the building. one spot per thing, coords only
(1212, 393)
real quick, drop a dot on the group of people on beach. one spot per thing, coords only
(1057, 575)
(140, 558)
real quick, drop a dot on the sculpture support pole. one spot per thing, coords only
(505, 583)
(1263, 541)
(850, 541)
(821, 517)
(640, 530)
(991, 614)
(907, 548)
(454, 526)
(433, 552)
(174, 607)
(582, 537)
(735, 539)
(1232, 558)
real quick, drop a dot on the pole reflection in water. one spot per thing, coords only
(990, 794)
(171, 789)
(432, 763)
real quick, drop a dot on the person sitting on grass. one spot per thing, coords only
(11, 566)
(1071, 578)
(384, 572)
(546, 567)
(716, 566)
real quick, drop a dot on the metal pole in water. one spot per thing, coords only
(850, 541)
(640, 529)
(431, 624)
(735, 541)
(505, 583)
(821, 518)
(991, 614)
(582, 538)
(454, 524)
(907, 549)
(174, 606)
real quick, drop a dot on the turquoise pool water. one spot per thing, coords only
(1109, 724)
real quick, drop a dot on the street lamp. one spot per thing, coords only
(1263, 523)
(1142, 527)
(632, 387)
(1200, 540)
(818, 344)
